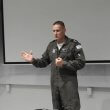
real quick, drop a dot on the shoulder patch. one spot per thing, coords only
(73, 40)
(78, 46)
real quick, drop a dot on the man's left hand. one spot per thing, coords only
(59, 62)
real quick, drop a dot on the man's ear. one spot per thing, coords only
(64, 29)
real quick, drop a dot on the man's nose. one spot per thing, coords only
(55, 33)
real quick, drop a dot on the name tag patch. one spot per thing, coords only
(64, 50)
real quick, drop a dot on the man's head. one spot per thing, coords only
(59, 31)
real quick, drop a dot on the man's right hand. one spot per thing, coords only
(27, 56)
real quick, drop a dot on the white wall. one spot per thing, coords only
(22, 97)
(30, 97)
(25, 97)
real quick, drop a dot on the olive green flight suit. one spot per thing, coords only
(64, 84)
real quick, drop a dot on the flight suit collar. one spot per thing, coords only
(65, 42)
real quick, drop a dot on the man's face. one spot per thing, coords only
(59, 32)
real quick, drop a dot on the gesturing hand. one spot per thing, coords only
(27, 56)
(59, 62)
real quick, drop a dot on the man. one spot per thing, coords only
(66, 57)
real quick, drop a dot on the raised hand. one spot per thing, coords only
(27, 56)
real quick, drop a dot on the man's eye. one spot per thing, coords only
(55, 30)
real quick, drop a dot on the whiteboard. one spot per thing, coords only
(28, 23)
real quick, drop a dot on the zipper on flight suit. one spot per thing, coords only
(58, 54)
(57, 68)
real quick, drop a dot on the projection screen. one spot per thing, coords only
(28, 26)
